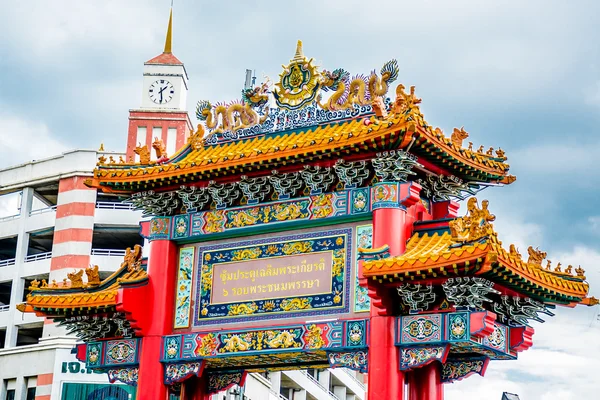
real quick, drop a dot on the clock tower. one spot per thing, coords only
(163, 112)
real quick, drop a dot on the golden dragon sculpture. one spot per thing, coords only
(237, 115)
(358, 90)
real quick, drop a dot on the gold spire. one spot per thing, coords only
(169, 33)
(299, 56)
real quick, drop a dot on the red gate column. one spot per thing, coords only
(430, 382)
(390, 201)
(158, 311)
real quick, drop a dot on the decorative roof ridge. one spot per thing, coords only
(130, 272)
(473, 237)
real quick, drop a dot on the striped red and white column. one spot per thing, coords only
(43, 388)
(73, 230)
(74, 226)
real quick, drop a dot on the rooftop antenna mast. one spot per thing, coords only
(249, 82)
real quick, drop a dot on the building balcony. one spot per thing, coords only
(121, 214)
(7, 263)
(4, 315)
(9, 226)
(348, 379)
(37, 264)
(41, 219)
(107, 259)
(303, 380)
(26, 318)
(7, 272)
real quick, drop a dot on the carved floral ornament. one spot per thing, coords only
(132, 262)
(476, 226)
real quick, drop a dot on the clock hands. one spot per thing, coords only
(161, 93)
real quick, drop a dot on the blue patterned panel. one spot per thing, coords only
(94, 355)
(172, 347)
(120, 352)
(421, 328)
(356, 333)
(181, 226)
(360, 201)
(458, 327)
(184, 287)
(364, 239)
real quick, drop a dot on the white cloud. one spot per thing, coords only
(75, 26)
(22, 141)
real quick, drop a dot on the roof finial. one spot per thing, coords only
(299, 56)
(169, 32)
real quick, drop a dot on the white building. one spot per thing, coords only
(62, 225)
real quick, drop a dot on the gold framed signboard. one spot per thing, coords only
(274, 277)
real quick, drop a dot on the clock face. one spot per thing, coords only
(161, 91)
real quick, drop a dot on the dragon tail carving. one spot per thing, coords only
(389, 74)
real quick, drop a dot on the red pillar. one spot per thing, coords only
(413, 385)
(430, 382)
(386, 381)
(391, 200)
(159, 309)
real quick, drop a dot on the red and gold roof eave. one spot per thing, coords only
(91, 300)
(352, 139)
(482, 259)
(323, 143)
(464, 163)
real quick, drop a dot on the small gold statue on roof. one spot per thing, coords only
(500, 154)
(480, 149)
(34, 284)
(130, 159)
(132, 259)
(548, 265)
(379, 107)
(557, 269)
(101, 160)
(196, 139)
(536, 256)
(121, 160)
(580, 271)
(159, 147)
(65, 283)
(470, 146)
(405, 101)
(93, 276)
(101, 147)
(514, 252)
(44, 284)
(474, 226)
(569, 270)
(490, 151)
(143, 152)
(111, 159)
(76, 279)
(458, 135)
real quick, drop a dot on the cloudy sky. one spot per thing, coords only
(521, 75)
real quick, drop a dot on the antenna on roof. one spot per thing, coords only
(249, 80)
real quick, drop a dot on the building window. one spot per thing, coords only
(10, 394)
(171, 141)
(31, 393)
